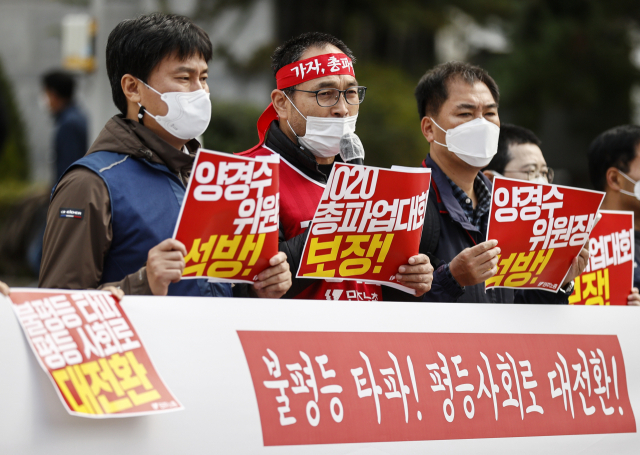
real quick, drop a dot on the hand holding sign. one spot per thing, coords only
(417, 274)
(578, 264)
(273, 282)
(476, 264)
(165, 264)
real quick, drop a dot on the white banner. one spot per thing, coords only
(219, 356)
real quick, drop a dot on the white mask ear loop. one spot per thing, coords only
(305, 118)
(445, 132)
(631, 180)
(144, 108)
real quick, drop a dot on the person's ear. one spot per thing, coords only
(279, 101)
(426, 125)
(614, 179)
(131, 88)
(488, 174)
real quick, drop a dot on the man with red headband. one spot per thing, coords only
(315, 104)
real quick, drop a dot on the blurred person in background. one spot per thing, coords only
(304, 124)
(70, 138)
(458, 108)
(519, 156)
(614, 167)
(69, 145)
(112, 214)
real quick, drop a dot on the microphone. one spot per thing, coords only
(351, 147)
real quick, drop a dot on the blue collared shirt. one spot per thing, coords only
(484, 200)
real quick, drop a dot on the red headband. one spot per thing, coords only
(299, 72)
(313, 68)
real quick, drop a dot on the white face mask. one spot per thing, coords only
(474, 142)
(323, 134)
(189, 113)
(636, 186)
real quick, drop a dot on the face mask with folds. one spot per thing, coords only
(323, 134)
(189, 113)
(474, 142)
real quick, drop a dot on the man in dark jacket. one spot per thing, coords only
(112, 214)
(316, 102)
(614, 167)
(70, 136)
(464, 97)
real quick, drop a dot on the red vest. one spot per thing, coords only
(299, 198)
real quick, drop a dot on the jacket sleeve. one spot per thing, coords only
(444, 287)
(541, 297)
(294, 248)
(74, 248)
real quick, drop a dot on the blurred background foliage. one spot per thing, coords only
(567, 73)
(17, 195)
(14, 165)
(232, 128)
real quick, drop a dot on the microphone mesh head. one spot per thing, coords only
(351, 147)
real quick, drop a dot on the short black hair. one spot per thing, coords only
(613, 148)
(510, 135)
(432, 90)
(137, 46)
(292, 50)
(60, 82)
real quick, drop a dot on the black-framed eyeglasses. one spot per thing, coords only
(328, 97)
(534, 173)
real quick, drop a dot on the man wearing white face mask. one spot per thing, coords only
(315, 104)
(113, 212)
(458, 107)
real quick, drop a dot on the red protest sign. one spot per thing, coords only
(540, 228)
(229, 217)
(608, 278)
(367, 224)
(339, 387)
(92, 354)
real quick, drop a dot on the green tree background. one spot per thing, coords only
(568, 74)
